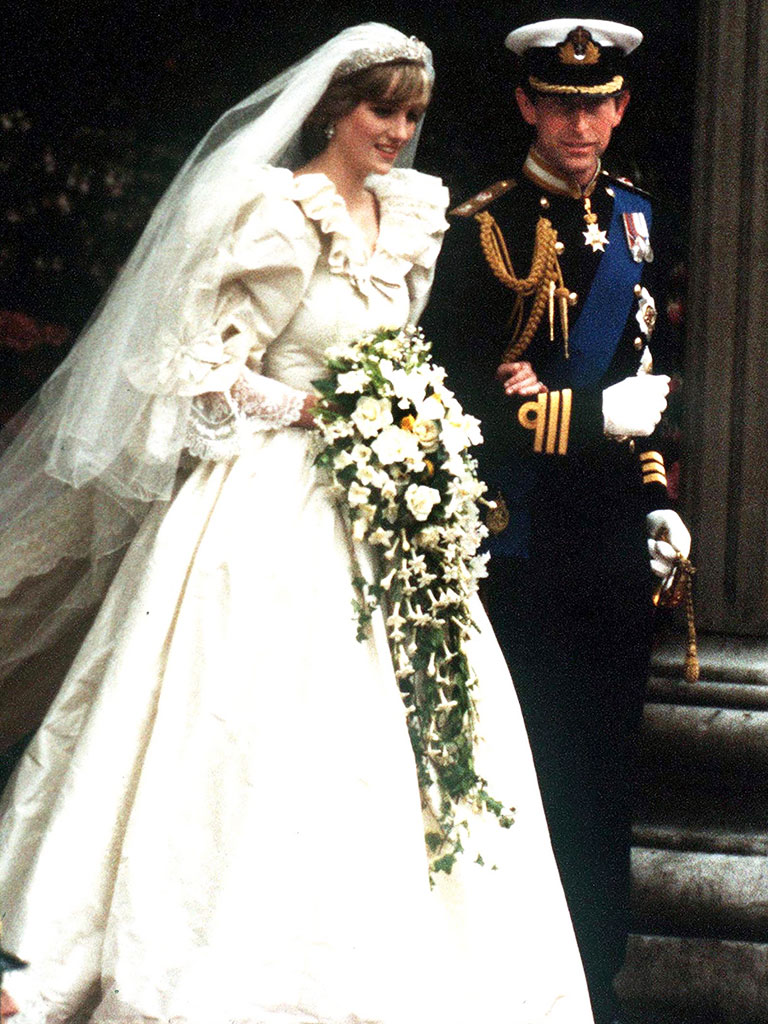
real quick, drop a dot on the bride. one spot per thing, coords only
(219, 819)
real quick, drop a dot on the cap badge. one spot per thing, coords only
(579, 48)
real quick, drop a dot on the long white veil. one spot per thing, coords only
(101, 442)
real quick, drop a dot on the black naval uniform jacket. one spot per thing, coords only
(577, 500)
(570, 588)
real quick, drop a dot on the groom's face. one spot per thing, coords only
(572, 132)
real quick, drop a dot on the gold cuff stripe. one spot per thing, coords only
(532, 415)
(655, 478)
(616, 84)
(554, 410)
(566, 421)
(656, 456)
(654, 467)
(549, 415)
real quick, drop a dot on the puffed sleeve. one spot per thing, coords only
(416, 205)
(264, 272)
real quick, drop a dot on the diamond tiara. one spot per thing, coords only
(410, 49)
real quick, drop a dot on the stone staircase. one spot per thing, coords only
(700, 860)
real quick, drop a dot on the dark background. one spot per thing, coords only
(101, 100)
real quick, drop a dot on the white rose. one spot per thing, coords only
(427, 432)
(372, 415)
(342, 460)
(396, 445)
(421, 500)
(352, 382)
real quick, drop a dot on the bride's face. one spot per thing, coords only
(369, 138)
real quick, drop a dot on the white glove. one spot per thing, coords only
(633, 407)
(667, 523)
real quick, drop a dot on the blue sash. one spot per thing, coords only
(595, 335)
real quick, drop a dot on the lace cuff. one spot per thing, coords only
(221, 423)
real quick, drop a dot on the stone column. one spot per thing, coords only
(726, 465)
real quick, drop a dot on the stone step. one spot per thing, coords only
(742, 660)
(708, 692)
(693, 893)
(726, 737)
(700, 862)
(702, 839)
(696, 980)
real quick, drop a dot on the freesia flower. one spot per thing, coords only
(342, 460)
(430, 409)
(352, 382)
(381, 536)
(357, 494)
(360, 528)
(409, 386)
(429, 536)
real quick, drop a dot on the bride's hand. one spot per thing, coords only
(519, 378)
(306, 417)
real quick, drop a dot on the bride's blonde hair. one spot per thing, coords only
(399, 83)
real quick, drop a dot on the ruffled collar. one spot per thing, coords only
(411, 225)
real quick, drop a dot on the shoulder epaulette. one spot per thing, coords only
(482, 199)
(630, 186)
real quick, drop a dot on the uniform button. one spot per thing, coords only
(638, 290)
(638, 344)
(559, 248)
(573, 298)
(632, 445)
(544, 202)
(610, 192)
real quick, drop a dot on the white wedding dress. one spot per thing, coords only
(219, 821)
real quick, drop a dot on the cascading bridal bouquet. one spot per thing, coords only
(394, 441)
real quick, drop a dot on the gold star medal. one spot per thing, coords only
(593, 236)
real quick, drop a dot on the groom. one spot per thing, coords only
(544, 312)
